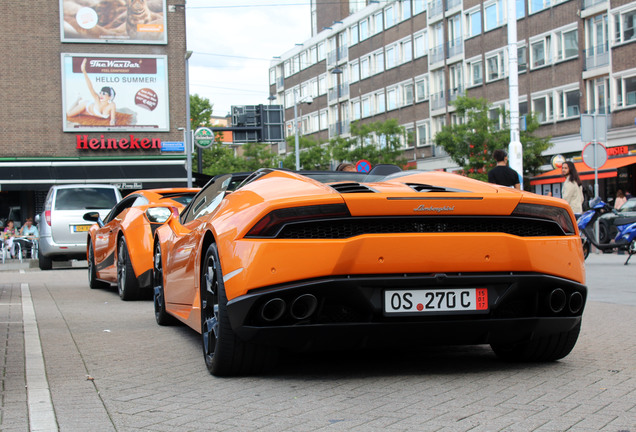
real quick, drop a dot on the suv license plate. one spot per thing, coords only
(80, 228)
(435, 301)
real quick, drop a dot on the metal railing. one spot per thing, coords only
(454, 47)
(586, 4)
(438, 100)
(596, 56)
(435, 9)
(436, 54)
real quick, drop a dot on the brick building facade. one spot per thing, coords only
(35, 149)
(409, 59)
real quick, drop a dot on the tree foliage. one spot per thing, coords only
(472, 143)
(200, 111)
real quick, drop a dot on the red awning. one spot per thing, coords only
(585, 172)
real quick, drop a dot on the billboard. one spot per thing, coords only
(114, 93)
(108, 21)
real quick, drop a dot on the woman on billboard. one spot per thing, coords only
(102, 105)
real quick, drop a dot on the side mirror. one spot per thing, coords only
(37, 219)
(94, 217)
(159, 215)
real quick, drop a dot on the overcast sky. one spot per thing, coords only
(233, 42)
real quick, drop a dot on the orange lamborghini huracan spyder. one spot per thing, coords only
(309, 261)
(119, 248)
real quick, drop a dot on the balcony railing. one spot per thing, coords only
(436, 54)
(454, 93)
(596, 56)
(435, 9)
(338, 128)
(450, 4)
(454, 47)
(343, 53)
(438, 100)
(332, 58)
(586, 4)
(280, 83)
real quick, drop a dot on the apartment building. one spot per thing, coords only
(410, 59)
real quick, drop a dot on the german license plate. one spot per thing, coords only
(80, 228)
(420, 302)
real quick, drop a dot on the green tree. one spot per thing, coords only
(200, 111)
(313, 155)
(379, 143)
(472, 143)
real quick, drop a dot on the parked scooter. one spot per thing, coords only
(625, 239)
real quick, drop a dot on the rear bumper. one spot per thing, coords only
(350, 312)
(50, 249)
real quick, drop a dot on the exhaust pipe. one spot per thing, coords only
(576, 302)
(273, 309)
(557, 300)
(303, 306)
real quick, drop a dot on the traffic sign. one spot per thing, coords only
(594, 155)
(203, 137)
(363, 166)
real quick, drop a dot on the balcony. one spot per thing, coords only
(454, 93)
(338, 128)
(587, 4)
(436, 54)
(332, 58)
(450, 4)
(343, 53)
(454, 47)
(435, 10)
(438, 101)
(597, 56)
(280, 83)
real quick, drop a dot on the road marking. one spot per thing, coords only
(41, 413)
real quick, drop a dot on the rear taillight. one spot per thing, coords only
(47, 216)
(554, 214)
(269, 225)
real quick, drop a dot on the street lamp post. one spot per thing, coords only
(188, 135)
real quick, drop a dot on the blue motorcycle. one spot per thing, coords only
(625, 239)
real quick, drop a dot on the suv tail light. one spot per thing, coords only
(47, 216)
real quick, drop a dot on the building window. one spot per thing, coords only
(313, 55)
(364, 29)
(321, 51)
(625, 24)
(314, 88)
(406, 48)
(568, 103)
(423, 136)
(419, 6)
(323, 120)
(272, 76)
(493, 14)
(521, 8)
(421, 89)
(476, 72)
(366, 107)
(380, 104)
(378, 26)
(567, 44)
(364, 68)
(407, 94)
(473, 23)
(354, 72)
(389, 16)
(421, 43)
(494, 67)
(626, 92)
(406, 9)
(391, 57)
(378, 62)
(353, 34)
(522, 59)
(322, 84)
(355, 110)
(542, 108)
(392, 98)
(287, 67)
(538, 5)
(541, 52)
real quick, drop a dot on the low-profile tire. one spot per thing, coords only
(543, 349)
(127, 284)
(93, 282)
(224, 353)
(603, 232)
(162, 317)
(44, 263)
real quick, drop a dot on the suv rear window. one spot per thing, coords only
(85, 199)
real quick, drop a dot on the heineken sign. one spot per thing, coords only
(204, 137)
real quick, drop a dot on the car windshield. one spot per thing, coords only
(207, 199)
(87, 198)
(184, 198)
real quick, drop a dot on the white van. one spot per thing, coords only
(62, 227)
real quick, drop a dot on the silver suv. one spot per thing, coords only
(62, 226)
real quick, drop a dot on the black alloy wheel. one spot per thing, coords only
(127, 285)
(93, 282)
(162, 317)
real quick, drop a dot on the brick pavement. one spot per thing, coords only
(110, 367)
